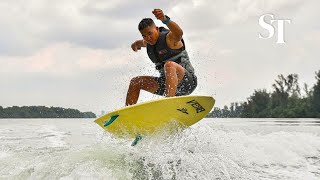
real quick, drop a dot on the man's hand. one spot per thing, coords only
(175, 34)
(135, 47)
(158, 13)
(138, 44)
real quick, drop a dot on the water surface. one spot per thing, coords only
(210, 149)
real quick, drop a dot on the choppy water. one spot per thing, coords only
(211, 149)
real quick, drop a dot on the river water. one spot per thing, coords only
(210, 149)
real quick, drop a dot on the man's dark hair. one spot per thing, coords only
(145, 23)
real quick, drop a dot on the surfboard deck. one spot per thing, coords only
(144, 119)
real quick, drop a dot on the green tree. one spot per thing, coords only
(284, 102)
(42, 112)
(315, 99)
(257, 105)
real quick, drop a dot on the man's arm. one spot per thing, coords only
(138, 44)
(176, 32)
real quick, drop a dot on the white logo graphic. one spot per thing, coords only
(271, 29)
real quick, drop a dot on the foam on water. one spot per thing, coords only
(60, 150)
(206, 153)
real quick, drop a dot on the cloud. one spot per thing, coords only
(65, 59)
(93, 24)
(70, 76)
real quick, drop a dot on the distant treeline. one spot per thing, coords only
(42, 112)
(285, 101)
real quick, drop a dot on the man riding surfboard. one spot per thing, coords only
(166, 49)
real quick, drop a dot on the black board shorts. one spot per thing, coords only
(186, 86)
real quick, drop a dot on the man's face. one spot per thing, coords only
(150, 34)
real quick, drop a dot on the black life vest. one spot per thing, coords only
(160, 52)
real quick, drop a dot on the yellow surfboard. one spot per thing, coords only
(144, 119)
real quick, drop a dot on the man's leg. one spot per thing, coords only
(147, 83)
(174, 74)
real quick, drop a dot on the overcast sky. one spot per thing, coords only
(76, 54)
